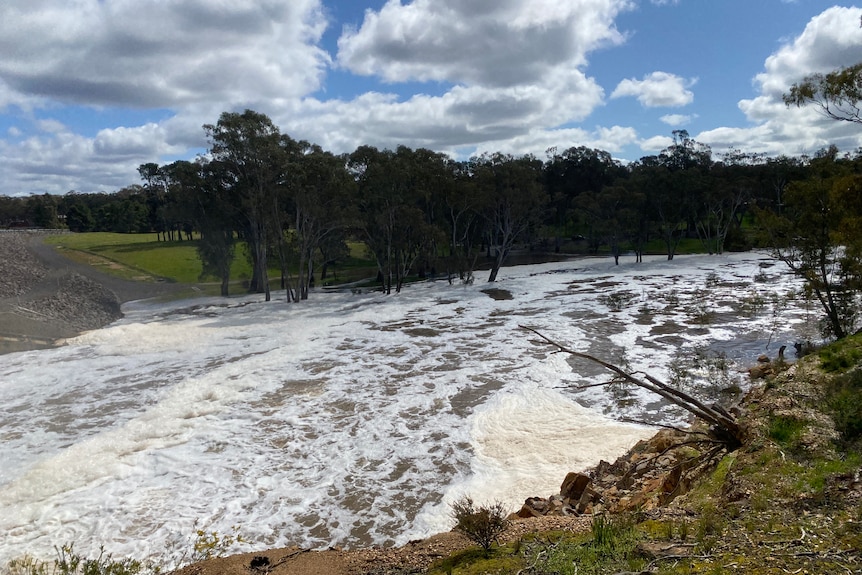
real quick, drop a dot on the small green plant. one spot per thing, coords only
(482, 524)
(69, 562)
(610, 548)
(786, 431)
(844, 404)
(210, 544)
(840, 356)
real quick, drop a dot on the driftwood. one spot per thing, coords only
(723, 426)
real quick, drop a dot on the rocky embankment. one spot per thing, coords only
(41, 303)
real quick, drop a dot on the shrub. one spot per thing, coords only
(68, 562)
(844, 403)
(481, 524)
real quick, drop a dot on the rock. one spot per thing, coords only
(574, 485)
(760, 371)
(763, 358)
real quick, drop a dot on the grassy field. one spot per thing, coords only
(142, 257)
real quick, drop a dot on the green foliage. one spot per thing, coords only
(68, 562)
(481, 524)
(611, 549)
(844, 404)
(210, 544)
(837, 94)
(786, 431)
(841, 356)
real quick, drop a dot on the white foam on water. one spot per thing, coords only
(350, 419)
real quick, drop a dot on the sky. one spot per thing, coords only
(91, 89)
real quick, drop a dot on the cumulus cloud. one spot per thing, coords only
(658, 89)
(677, 119)
(830, 40)
(509, 70)
(483, 42)
(160, 54)
(656, 144)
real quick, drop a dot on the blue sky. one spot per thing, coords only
(91, 89)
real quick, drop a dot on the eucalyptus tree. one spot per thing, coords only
(215, 218)
(818, 235)
(462, 206)
(677, 180)
(514, 201)
(730, 188)
(573, 172)
(320, 190)
(615, 217)
(837, 94)
(389, 216)
(248, 146)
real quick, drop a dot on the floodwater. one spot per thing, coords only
(355, 419)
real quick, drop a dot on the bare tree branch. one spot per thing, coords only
(724, 426)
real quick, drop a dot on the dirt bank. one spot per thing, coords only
(46, 297)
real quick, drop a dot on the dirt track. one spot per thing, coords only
(46, 297)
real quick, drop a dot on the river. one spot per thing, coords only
(356, 418)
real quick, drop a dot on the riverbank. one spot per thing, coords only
(788, 500)
(46, 297)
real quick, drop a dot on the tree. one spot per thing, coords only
(836, 95)
(249, 147)
(462, 205)
(206, 199)
(320, 189)
(817, 236)
(513, 201)
(388, 196)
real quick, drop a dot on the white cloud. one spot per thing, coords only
(509, 69)
(160, 54)
(677, 119)
(830, 40)
(656, 144)
(658, 89)
(482, 42)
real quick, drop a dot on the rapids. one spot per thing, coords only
(355, 419)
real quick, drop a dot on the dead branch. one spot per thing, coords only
(723, 426)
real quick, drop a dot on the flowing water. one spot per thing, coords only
(355, 419)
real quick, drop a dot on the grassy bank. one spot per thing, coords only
(142, 257)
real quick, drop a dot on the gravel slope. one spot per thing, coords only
(46, 297)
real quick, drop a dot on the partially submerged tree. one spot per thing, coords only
(723, 426)
(513, 198)
(816, 237)
(249, 147)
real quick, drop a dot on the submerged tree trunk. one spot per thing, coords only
(723, 426)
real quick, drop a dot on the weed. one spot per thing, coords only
(844, 403)
(68, 562)
(611, 549)
(786, 431)
(840, 356)
(617, 300)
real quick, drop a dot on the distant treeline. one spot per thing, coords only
(416, 210)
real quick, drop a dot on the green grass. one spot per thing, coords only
(138, 256)
(142, 257)
(841, 355)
